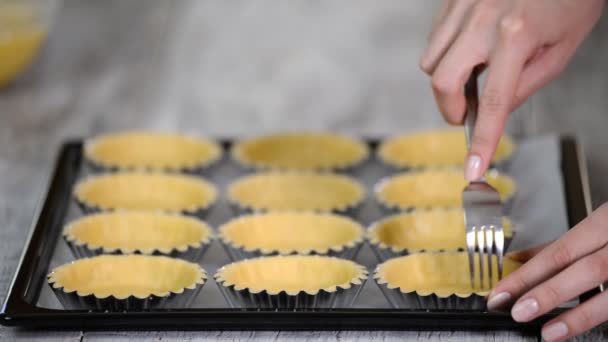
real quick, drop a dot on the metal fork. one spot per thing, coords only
(482, 207)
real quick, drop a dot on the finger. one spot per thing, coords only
(540, 70)
(470, 49)
(527, 254)
(586, 237)
(505, 66)
(583, 275)
(440, 17)
(577, 320)
(444, 34)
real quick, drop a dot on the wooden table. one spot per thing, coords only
(238, 68)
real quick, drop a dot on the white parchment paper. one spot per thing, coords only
(539, 209)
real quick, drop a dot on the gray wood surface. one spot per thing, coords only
(239, 68)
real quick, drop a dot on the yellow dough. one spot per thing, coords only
(292, 274)
(443, 274)
(435, 188)
(138, 231)
(122, 276)
(292, 232)
(148, 150)
(436, 148)
(146, 191)
(429, 230)
(301, 151)
(296, 191)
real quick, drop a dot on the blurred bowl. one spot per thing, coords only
(24, 25)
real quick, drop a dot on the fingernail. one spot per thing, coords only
(524, 311)
(555, 331)
(472, 170)
(497, 301)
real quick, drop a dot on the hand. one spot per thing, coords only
(558, 273)
(524, 45)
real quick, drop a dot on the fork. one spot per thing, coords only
(482, 206)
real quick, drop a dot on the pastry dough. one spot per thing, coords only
(146, 191)
(148, 150)
(301, 151)
(144, 232)
(429, 230)
(122, 276)
(296, 191)
(287, 233)
(292, 274)
(442, 273)
(435, 148)
(434, 188)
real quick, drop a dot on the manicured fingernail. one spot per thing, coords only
(555, 331)
(497, 301)
(472, 170)
(525, 310)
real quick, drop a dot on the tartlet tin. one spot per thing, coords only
(501, 164)
(193, 251)
(385, 252)
(351, 210)
(200, 212)
(411, 298)
(342, 296)
(392, 209)
(203, 168)
(74, 300)
(250, 166)
(348, 250)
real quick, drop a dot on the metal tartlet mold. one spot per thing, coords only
(350, 168)
(501, 164)
(236, 252)
(351, 210)
(191, 252)
(336, 297)
(392, 209)
(385, 252)
(400, 298)
(78, 301)
(203, 168)
(200, 212)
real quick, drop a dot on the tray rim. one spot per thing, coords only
(17, 310)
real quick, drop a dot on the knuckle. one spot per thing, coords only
(596, 264)
(562, 255)
(521, 284)
(584, 320)
(492, 102)
(481, 140)
(550, 296)
(442, 86)
(424, 64)
(512, 26)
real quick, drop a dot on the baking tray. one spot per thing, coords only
(30, 302)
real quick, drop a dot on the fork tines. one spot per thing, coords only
(484, 233)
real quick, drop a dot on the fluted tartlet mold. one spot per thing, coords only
(295, 282)
(126, 283)
(151, 151)
(286, 233)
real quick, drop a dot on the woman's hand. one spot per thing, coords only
(558, 273)
(524, 43)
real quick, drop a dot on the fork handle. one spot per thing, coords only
(472, 98)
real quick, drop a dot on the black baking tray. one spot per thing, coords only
(20, 307)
